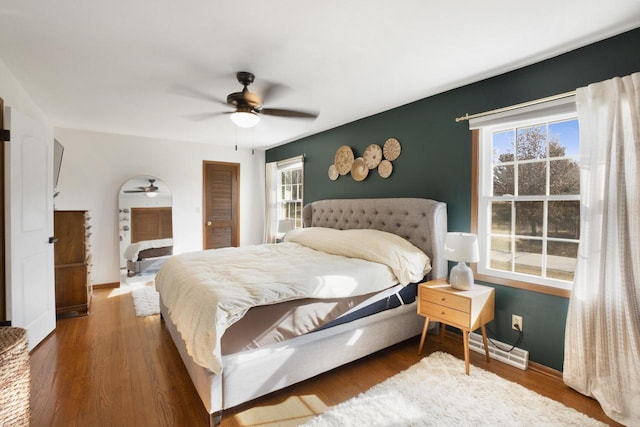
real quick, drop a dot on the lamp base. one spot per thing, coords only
(461, 277)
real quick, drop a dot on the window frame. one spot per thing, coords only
(481, 155)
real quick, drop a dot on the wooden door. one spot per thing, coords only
(221, 204)
(151, 224)
(29, 224)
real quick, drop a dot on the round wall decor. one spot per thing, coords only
(333, 173)
(391, 149)
(385, 168)
(372, 156)
(344, 159)
(359, 170)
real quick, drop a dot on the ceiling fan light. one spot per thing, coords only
(245, 119)
(151, 194)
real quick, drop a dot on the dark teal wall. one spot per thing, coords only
(436, 163)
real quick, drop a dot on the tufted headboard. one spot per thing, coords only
(423, 222)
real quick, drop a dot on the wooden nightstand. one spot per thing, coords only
(465, 310)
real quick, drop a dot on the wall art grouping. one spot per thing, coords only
(373, 157)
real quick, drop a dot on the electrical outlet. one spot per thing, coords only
(516, 320)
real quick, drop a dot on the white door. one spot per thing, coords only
(29, 224)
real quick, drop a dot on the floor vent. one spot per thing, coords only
(517, 357)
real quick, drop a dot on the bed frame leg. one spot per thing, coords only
(215, 419)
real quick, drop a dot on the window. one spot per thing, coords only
(528, 201)
(290, 193)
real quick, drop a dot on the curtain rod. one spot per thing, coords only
(514, 107)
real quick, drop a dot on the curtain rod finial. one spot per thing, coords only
(465, 117)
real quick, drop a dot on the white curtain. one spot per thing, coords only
(271, 200)
(602, 341)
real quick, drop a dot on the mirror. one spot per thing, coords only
(145, 227)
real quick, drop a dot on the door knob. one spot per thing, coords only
(52, 239)
(208, 223)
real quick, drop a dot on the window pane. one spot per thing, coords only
(561, 260)
(532, 202)
(532, 179)
(564, 220)
(531, 142)
(528, 257)
(501, 217)
(500, 258)
(290, 195)
(564, 177)
(529, 217)
(503, 180)
(502, 147)
(564, 138)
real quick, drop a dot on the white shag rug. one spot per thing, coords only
(146, 301)
(436, 392)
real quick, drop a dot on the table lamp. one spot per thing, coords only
(463, 248)
(284, 226)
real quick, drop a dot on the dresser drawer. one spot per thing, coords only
(447, 299)
(446, 314)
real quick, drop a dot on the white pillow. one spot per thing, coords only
(408, 263)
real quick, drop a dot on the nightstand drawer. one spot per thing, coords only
(446, 314)
(447, 299)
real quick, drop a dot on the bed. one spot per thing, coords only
(147, 256)
(241, 367)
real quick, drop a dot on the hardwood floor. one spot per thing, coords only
(112, 368)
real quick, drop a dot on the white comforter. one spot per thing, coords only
(206, 292)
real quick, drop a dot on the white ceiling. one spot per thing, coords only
(130, 66)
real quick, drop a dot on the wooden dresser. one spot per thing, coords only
(72, 255)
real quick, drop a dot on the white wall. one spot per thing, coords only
(95, 165)
(14, 96)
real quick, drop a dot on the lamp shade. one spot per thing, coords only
(285, 225)
(461, 247)
(245, 119)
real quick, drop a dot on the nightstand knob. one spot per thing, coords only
(443, 299)
(442, 313)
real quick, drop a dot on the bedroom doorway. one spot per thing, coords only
(221, 216)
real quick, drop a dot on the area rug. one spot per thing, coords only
(146, 301)
(436, 392)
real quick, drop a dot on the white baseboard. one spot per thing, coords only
(517, 357)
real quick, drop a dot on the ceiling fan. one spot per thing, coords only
(150, 190)
(249, 105)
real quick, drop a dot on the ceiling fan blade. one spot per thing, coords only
(205, 116)
(288, 113)
(195, 93)
(272, 91)
(134, 191)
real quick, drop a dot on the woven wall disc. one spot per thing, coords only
(372, 156)
(333, 173)
(385, 168)
(359, 170)
(344, 159)
(391, 149)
